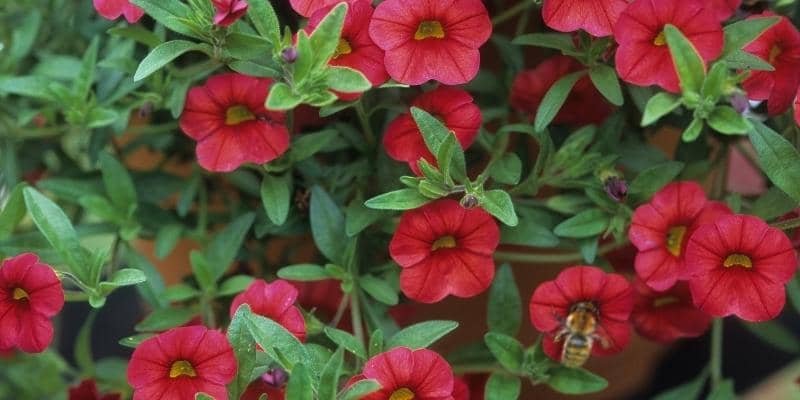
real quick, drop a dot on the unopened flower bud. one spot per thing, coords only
(616, 188)
(289, 54)
(275, 377)
(469, 201)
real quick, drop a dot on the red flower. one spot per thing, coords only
(431, 39)
(271, 383)
(593, 16)
(724, 9)
(643, 57)
(87, 390)
(585, 105)
(308, 7)
(275, 301)
(780, 46)
(181, 362)
(609, 294)
(113, 9)
(30, 294)
(228, 119)
(661, 228)
(228, 11)
(739, 265)
(469, 387)
(444, 249)
(667, 316)
(453, 106)
(356, 49)
(406, 374)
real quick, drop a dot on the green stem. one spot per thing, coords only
(363, 119)
(355, 314)
(715, 364)
(788, 224)
(551, 258)
(511, 12)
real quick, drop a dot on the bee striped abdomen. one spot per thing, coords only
(576, 351)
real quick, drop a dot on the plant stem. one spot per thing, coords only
(340, 311)
(363, 119)
(551, 258)
(355, 314)
(715, 364)
(511, 12)
(787, 225)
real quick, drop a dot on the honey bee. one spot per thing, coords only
(579, 334)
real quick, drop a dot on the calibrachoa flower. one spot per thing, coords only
(87, 390)
(272, 383)
(643, 57)
(30, 294)
(594, 16)
(406, 374)
(444, 249)
(227, 118)
(355, 49)
(431, 39)
(453, 106)
(724, 9)
(780, 46)
(181, 362)
(228, 11)
(275, 301)
(661, 228)
(584, 105)
(113, 9)
(739, 266)
(610, 295)
(667, 316)
(308, 7)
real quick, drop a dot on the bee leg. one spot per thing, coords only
(560, 335)
(602, 339)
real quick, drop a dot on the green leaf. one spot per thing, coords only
(379, 289)
(358, 217)
(688, 391)
(558, 41)
(605, 80)
(554, 99)
(167, 238)
(450, 159)
(575, 381)
(376, 342)
(254, 69)
(739, 34)
(162, 55)
(166, 318)
(507, 350)
(775, 334)
(360, 389)
(325, 37)
(403, 199)
(234, 285)
(499, 204)
(202, 271)
(276, 196)
(773, 204)
(686, 59)
(136, 33)
(170, 13)
(281, 98)
(658, 106)
(692, 132)
(222, 249)
(263, 17)
(723, 391)
(277, 342)
(300, 386)
(329, 380)
(654, 178)
(421, 335)
(242, 46)
(724, 119)
(507, 169)
(304, 273)
(13, 212)
(118, 183)
(99, 117)
(584, 224)
(793, 290)
(309, 144)
(502, 387)
(181, 292)
(347, 80)
(83, 83)
(741, 59)
(778, 157)
(153, 289)
(434, 132)
(346, 340)
(327, 224)
(245, 351)
(505, 306)
(716, 81)
(123, 277)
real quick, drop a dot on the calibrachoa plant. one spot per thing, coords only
(289, 184)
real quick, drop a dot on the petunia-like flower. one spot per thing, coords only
(739, 266)
(453, 106)
(113, 9)
(594, 16)
(780, 46)
(667, 316)
(272, 383)
(355, 49)
(227, 118)
(661, 228)
(610, 295)
(30, 294)
(444, 249)
(469, 387)
(275, 301)
(584, 105)
(643, 57)
(87, 390)
(228, 11)
(724, 9)
(308, 7)
(431, 39)
(406, 374)
(181, 362)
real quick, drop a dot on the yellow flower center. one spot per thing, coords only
(429, 29)
(238, 114)
(665, 300)
(774, 53)
(660, 40)
(180, 368)
(19, 294)
(675, 240)
(343, 48)
(738, 260)
(402, 394)
(444, 242)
